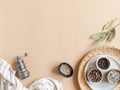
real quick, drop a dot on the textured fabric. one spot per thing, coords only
(10, 82)
(46, 84)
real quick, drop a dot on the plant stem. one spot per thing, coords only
(116, 25)
(113, 28)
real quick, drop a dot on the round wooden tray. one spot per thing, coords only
(113, 52)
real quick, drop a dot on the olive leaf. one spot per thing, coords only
(108, 25)
(112, 35)
(97, 35)
(102, 38)
(108, 32)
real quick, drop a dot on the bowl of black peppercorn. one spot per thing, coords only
(103, 63)
(94, 75)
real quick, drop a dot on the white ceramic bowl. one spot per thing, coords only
(103, 63)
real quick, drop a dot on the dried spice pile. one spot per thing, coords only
(65, 69)
(103, 63)
(94, 75)
(114, 76)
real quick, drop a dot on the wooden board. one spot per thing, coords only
(113, 52)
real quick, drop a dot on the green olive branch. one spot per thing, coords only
(108, 32)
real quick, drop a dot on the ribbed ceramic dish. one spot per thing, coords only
(112, 52)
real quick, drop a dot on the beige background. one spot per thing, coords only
(52, 31)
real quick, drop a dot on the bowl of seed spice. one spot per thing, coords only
(103, 63)
(65, 69)
(94, 75)
(113, 76)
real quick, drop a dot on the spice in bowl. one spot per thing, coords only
(113, 76)
(94, 75)
(103, 63)
(65, 69)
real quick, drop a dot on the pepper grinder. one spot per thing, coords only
(21, 68)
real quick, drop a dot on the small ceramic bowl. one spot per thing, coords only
(94, 75)
(113, 76)
(103, 63)
(65, 69)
